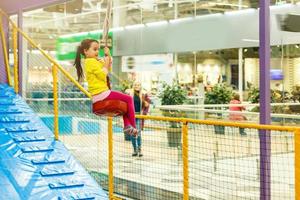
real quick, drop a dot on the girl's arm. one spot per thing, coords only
(107, 59)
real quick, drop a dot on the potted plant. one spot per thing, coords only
(219, 94)
(276, 97)
(296, 98)
(173, 95)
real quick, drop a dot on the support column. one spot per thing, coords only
(264, 86)
(119, 20)
(3, 73)
(241, 77)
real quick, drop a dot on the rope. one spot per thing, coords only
(106, 22)
(105, 29)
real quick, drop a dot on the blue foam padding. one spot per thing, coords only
(46, 162)
(65, 184)
(14, 119)
(36, 149)
(56, 171)
(32, 138)
(27, 168)
(9, 111)
(78, 197)
(20, 130)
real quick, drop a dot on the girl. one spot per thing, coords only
(96, 71)
(141, 106)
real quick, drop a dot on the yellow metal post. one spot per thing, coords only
(55, 100)
(15, 47)
(297, 164)
(185, 158)
(110, 160)
(5, 53)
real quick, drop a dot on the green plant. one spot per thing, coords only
(296, 93)
(253, 95)
(276, 97)
(220, 94)
(172, 94)
(296, 98)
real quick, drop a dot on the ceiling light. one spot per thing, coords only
(250, 40)
(244, 11)
(117, 29)
(135, 26)
(180, 20)
(159, 23)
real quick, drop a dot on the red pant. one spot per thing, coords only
(129, 117)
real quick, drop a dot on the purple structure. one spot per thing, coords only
(264, 79)
(14, 6)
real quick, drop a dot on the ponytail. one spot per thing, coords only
(84, 45)
(77, 63)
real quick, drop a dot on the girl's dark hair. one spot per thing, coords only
(84, 45)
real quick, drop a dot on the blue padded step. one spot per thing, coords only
(82, 196)
(14, 120)
(36, 149)
(20, 130)
(9, 111)
(2, 104)
(65, 185)
(4, 96)
(56, 171)
(47, 161)
(19, 138)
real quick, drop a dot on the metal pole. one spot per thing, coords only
(55, 100)
(110, 159)
(297, 163)
(241, 73)
(264, 76)
(15, 47)
(185, 158)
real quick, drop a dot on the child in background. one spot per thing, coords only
(141, 106)
(237, 116)
(96, 71)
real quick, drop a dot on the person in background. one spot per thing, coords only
(141, 106)
(237, 116)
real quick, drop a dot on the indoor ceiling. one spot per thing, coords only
(45, 25)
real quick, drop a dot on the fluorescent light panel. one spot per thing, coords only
(134, 26)
(159, 23)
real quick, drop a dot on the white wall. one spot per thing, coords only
(209, 32)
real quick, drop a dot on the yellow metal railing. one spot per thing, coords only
(15, 48)
(185, 145)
